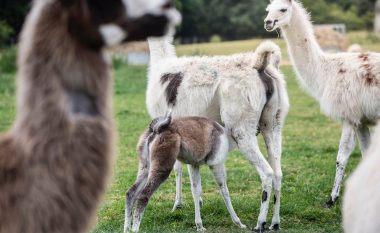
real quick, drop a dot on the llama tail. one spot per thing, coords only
(159, 124)
(267, 53)
(161, 48)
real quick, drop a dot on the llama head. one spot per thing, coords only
(106, 23)
(279, 14)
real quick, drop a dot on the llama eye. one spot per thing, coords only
(283, 10)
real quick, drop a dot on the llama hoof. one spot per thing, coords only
(330, 203)
(259, 228)
(127, 229)
(201, 229)
(275, 227)
(177, 206)
(239, 224)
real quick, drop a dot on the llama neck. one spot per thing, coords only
(305, 53)
(59, 81)
(161, 48)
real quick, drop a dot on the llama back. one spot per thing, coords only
(181, 82)
(196, 85)
(198, 79)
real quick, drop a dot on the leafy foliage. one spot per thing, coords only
(8, 61)
(232, 20)
(5, 31)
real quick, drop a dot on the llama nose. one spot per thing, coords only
(268, 22)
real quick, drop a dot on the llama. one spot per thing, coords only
(361, 202)
(243, 92)
(192, 140)
(345, 84)
(55, 160)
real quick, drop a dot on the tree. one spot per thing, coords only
(14, 12)
(229, 19)
(377, 18)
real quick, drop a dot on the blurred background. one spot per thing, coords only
(340, 23)
(206, 20)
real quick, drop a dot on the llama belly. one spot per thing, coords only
(188, 157)
(356, 106)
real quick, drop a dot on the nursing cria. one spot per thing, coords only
(191, 140)
(244, 92)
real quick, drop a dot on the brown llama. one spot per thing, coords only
(55, 160)
(192, 140)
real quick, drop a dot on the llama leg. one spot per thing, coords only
(200, 184)
(364, 138)
(247, 142)
(163, 154)
(273, 141)
(196, 190)
(156, 178)
(346, 146)
(178, 185)
(219, 173)
(131, 195)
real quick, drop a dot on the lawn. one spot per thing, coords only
(366, 39)
(310, 147)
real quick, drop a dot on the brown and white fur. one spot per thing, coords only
(191, 140)
(55, 160)
(347, 85)
(361, 204)
(243, 92)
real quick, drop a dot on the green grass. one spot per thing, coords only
(310, 147)
(366, 39)
(225, 48)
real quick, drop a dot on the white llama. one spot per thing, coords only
(242, 92)
(361, 204)
(347, 85)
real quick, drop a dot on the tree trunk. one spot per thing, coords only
(377, 18)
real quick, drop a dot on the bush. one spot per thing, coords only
(215, 39)
(8, 60)
(5, 31)
(118, 62)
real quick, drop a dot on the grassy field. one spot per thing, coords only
(310, 147)
(366, 39)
